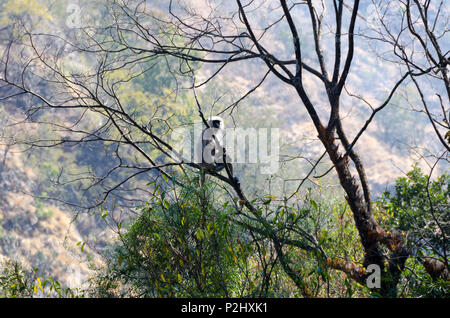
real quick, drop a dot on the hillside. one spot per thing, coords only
(39, 234)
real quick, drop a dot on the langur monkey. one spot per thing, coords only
(211, 149)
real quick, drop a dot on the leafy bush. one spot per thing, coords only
(419, 207)
(179, 247)
(17, 282)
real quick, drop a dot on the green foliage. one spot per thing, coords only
(43, 213)
(50, 170)
(418, 283)
(419, 207)
(17, 282)
(177, 248)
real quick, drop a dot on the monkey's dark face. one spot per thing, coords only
(216, 123)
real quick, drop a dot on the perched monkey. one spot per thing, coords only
(211, 148)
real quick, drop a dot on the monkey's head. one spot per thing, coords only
(216, 122)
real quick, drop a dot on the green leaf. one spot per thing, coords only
(200, 235)
(314, 205)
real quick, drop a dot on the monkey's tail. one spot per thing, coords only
(202, 177)
(203, 197)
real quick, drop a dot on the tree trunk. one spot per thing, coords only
(371, 234)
